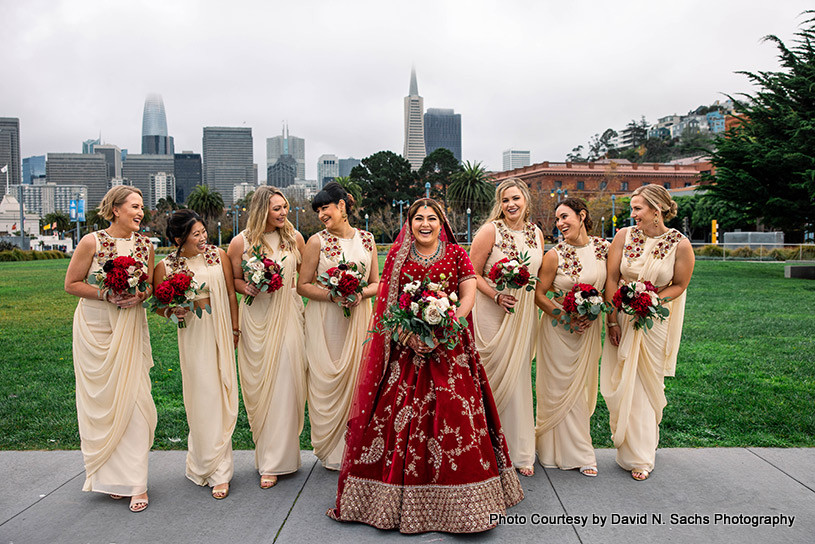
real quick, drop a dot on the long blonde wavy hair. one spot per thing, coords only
(256, 224)
(497, 211)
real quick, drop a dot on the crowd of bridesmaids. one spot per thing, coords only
(288, 354)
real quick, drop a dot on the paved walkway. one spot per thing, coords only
(695, 495)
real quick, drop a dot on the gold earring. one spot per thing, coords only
(656, 221)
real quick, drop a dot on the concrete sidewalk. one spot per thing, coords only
(683, 501)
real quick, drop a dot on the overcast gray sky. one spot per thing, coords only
(538, 75)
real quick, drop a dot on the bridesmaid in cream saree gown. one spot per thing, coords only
(506, 341)
(635, 362)
(567, 362)
(112, 356)
(333, 341)
(206, 347)
(271, 354)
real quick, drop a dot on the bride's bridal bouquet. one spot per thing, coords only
(582, 300)
(641, 300)
(426, 309)
(264, 273)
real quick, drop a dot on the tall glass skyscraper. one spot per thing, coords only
(10, 149)
(155, 139)
(414, 125)
(228, 159)
(442, 128)
(33, 168)
(286, 144)
(187, 174)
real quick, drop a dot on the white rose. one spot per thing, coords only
(654, 298)
(442, 304)
(512, 264)
(414, 308)
(432, 315)
(411, 287)
(433, 286)
(639, 288)
(596, 300)
(453, 298)
(333, 280)
(257, 277)
(133, 281)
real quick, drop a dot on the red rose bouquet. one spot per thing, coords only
(121, 275)
(345, 280)
(177, 291)
(513, 274)
(582, 300)
(426, 309)
(262, 272)
(640, 299)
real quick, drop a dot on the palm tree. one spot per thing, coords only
(96, 221)
(207, 203)
(62, 220)
(471, 188)
(351, 187)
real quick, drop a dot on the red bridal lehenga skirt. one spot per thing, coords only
(433, 457)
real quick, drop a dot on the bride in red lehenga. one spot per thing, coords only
(424, 448)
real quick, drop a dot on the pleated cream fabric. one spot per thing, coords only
(208, 375)
(334, 349)
(506, 343)
(632, 375)
(116, 413)
(271, 359)
(567, 366)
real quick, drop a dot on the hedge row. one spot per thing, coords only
(30, 255)
(778, 254)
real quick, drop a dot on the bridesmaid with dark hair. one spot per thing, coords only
(206, 348)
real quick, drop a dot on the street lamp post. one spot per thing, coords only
(219, 234)
(469, 211)
(366, 221)
(603, 227)
(401, 203)
(427, 189)
(613, 216)
(297, 216)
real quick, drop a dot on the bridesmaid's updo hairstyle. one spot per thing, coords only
(659, 199)
(332, 193)
(180, 225)
(115, 198)
(577, 205)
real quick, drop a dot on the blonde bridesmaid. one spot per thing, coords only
(505, 339)
(112, 356)
(271, 353)
(567, 362)
(635, 362)
(333, 341)
(206, 348)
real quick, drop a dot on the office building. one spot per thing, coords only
(79, 169)
(33, 169)
(162, 185)
(45, 198)
(328, 168)
(187, 174)
(283, 172)
(285, 144)
(514, 158)
(227, 159)
(89, 145)
(346, 165)
(155, 140)
(442, 128)
(113, 159)
(241, 190)
(414, 125)
(137, 170)
(10, 149)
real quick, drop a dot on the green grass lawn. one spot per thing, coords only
(745, 376)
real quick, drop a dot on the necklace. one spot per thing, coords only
(422, 259)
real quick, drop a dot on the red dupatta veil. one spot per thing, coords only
(376, 353)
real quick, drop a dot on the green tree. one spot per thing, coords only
(62, 220)
(383, 178)
(95, 220)
(438, 169)
(600, 144)
(351, 187)
(207, 203)
(167, 204)
(765, 168)
(472, 189)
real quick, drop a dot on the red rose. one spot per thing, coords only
(116, 279)
(641, 304)
(618, 299)
(332, 271)
(523, 276)
(124, 262)
(275, 283)
(404, 300)
(495, 271)
(569, 304)
(165, 292)
(180, 282)
(348, 285)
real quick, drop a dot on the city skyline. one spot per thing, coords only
(537, 76)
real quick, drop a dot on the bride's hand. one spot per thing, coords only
(417, 344)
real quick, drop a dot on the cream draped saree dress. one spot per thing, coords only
(632, 375)
(208, 375)
(334, 348)
(567, 366)
(112, 361)
(271, 359)
(506, 342)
